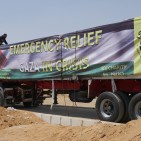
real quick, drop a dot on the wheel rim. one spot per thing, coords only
(138, 109)
(107, 108)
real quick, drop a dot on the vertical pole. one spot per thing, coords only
(89, 83)
(114, 88)
(53, 95)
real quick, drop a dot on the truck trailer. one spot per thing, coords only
(101, 62)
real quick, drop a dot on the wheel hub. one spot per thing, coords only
(106, 108)
(138, 109)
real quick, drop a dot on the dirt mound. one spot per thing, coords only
(12, 117)
(25, 128)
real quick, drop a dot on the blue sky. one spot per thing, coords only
(30, 19)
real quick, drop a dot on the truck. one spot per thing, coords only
(102, 62)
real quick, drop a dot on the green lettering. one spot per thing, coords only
(32, 47)
(65, 68)
(66, 42)
(78, 41)
(47, 65)
(85, 62)
(17, 49)
(38, 47)
(44, 46)
(57, 42)
(57, 65)
(49, 46)
(11, 50)
(84, 39)
(97, 36)
(22, 48)
(73, 41)
(90, 38)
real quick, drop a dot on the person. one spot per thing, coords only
(3, 39)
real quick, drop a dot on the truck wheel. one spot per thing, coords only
(126, 101)
(109, 107)
(135, 107)
(1, 97)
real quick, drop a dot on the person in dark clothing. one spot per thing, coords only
(3, 39)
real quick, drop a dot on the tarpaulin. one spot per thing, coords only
(104, 51)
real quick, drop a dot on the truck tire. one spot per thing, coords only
(135, 107)
(1, 97)
(109, 107)
(126, 101)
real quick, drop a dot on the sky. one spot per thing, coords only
(25, 20)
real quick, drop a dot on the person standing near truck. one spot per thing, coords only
(2, 56)
(3, 39)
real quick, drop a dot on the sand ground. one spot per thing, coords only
(17, 125)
